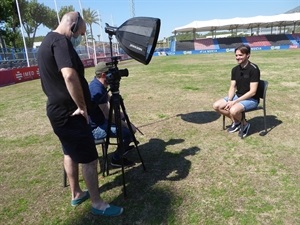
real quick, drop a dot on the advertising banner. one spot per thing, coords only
(25, 74)
(88, 63)
(6, 78)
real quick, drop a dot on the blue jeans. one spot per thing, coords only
(100, 132)
(248, 104)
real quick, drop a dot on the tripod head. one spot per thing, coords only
(114, 74)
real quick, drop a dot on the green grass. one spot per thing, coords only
(196, 172)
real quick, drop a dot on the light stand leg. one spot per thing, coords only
(131, 131)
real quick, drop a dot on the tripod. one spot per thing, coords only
(116, 107)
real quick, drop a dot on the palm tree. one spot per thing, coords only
(90, 17)
(64, 10)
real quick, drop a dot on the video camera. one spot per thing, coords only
(114, 75)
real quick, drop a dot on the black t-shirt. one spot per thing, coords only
(243, 78)
(56, 52)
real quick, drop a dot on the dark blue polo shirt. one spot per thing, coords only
(99, 96)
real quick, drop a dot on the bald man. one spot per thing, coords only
(68, 105)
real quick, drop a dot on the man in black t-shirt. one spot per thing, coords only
(242, 94)
(68, 105)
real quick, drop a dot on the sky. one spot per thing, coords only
(172, 13)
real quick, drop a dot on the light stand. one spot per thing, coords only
(116, 107)
(138, 37)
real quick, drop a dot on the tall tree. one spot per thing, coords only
(52, 21)
(9, 22)
(33, 15)
(64, 10)
(90, 17)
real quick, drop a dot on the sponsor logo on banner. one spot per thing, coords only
(293, 46)
(26, 73)
(88, 62)
(207, 51)
(256, 48)
(19, 75)
(275, 47)
(187, 52)
(229, 49)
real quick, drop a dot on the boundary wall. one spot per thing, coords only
(209, 51)
(18, 75)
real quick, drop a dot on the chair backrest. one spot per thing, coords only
(262, 89)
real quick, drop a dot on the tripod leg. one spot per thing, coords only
(105, 157)
(131, 131)
(115, 110)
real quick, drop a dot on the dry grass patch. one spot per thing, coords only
(196, 172)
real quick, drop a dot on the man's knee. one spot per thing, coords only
(91, 164)
(234, 111)
(215, 106)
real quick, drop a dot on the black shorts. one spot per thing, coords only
(77, 140)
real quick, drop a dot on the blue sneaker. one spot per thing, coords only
(234, 127)
(243, 133)
(111, 210)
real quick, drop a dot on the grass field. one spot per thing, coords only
(196, 172)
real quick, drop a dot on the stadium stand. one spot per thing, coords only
(278, 39)
(185, 45)
(231, 42)
(204, 44)
(16, 58)
(257, 41)
(296, 37)
(11, 58)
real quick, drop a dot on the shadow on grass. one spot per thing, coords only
(150, 200)
(257, 124)
(200, 117)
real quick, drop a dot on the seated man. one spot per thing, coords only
(100, 115)
(242, 94)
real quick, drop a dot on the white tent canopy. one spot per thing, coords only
(280, 20)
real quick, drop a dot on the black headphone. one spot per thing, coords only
(75, 26)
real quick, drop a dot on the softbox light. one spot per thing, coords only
(137, 37)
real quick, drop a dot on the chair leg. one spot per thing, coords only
(224, 123)
(242, 125)
(99, 161)
(265, 122)
(105, 160)
(263, 133)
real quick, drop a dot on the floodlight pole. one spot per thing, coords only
(22, 31)
(86, 39)
(100, 24)
(56, 12)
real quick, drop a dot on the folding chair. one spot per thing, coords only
(97, 142)
(262, 92)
